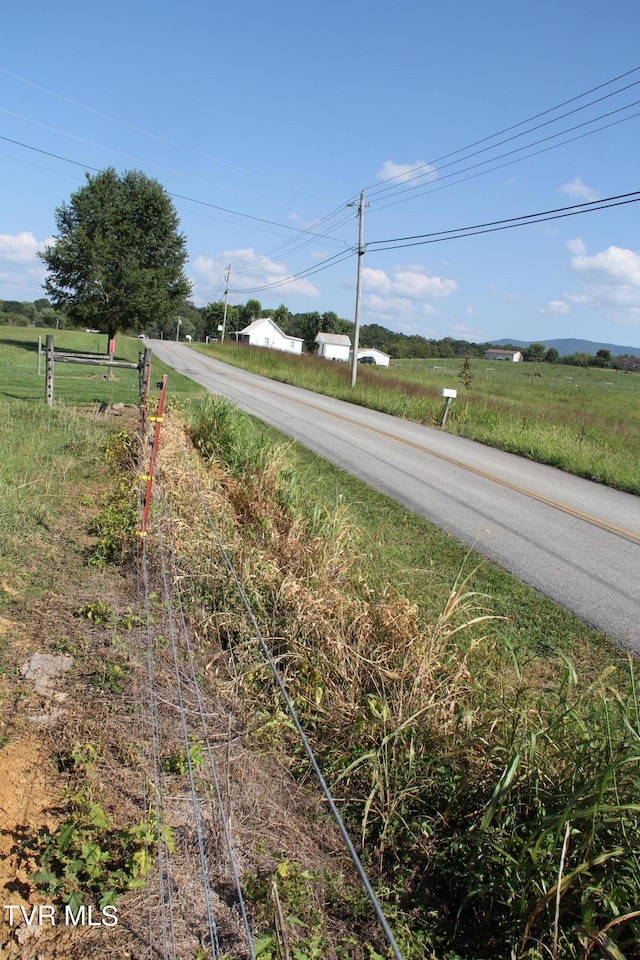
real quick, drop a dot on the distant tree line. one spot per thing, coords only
(202, 322)
(538, 353)
(40, 313)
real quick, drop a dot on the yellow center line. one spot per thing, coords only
(541, 498)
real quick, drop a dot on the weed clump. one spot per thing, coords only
(494, 798)
(116, 525)
(86, 855)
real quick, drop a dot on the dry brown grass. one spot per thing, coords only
(429, 732)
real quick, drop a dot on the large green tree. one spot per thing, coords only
(118, 257)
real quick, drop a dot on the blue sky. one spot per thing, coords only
(263, 121)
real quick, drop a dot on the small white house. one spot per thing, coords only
(264, 332)
(333, 346)
(497, 354)
(377, 356)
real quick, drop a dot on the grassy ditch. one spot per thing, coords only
(584, 421)
(484, 745)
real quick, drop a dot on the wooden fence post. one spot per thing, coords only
(48, 385)
(145, 375)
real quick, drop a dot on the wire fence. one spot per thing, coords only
(173, 699)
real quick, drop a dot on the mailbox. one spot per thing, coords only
(446, 392)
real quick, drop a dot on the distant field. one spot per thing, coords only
(78, 384)
(584, 421)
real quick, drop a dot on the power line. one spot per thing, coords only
(47, 153)
(177, 196)
(498, 225)
(508, 153)
(508, 129)
(155, 136)
(301, 238)
(309, 272)
(501, 166)
(247, 216)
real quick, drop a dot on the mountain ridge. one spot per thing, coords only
(569, 345)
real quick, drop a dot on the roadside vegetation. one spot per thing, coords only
(483, 744)
(584, 421)
(488, 766)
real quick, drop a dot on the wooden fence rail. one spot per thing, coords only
(91, 359)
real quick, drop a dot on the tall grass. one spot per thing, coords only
(42, 450)
(586, 422)
(494, 791)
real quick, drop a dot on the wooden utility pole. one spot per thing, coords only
(356, 330)
(226, 303)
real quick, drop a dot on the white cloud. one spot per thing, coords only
(613, 265)
(388, 307)
(376, 280)
(420, 285)
(20, 247)
(609, 280)
(249, 270)
(577, 247)
(19, 265)
(412, 282)
(579, 191)
(556, 307)
(403, 294)
(463, 332)
(403, 172)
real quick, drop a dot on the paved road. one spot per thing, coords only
(576, 541)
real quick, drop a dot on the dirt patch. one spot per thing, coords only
(28, 791)
(29, 794)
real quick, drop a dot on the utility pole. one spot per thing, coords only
(226, 302)
(356, 330)
(178, 328)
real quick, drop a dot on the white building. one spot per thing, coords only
(378, 356)
(497, 354)
(333, 346)
(264, 332)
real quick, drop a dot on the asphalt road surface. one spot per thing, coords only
(576, 541)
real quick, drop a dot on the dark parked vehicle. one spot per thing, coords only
(366, 360)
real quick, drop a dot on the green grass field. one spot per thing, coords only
(79, 384)
(584, 421)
